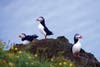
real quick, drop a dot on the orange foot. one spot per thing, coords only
(77, 55)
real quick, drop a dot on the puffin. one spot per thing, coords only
(26, 39)
(43, 28)
(76, 48)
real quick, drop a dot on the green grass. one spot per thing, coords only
(23, 58)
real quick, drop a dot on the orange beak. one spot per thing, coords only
(19, 36)
(37, 20)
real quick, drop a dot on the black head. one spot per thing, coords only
(22, 35)
(77, 37)
(40, 19)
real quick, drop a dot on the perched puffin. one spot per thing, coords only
(77, 45)
(26, 39)
(42, 27)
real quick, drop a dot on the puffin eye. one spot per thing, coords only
(22, 36)
(39, 19)
(77, 35)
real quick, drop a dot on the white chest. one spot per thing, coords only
(25, 42)
(41, 28)
(76, 47)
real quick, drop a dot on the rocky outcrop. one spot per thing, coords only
(48, 48)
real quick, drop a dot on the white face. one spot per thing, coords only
(22, 36)
(78, 36)
(39, 19)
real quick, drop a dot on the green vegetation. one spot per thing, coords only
(23, 58)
